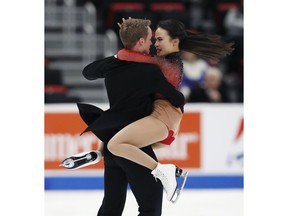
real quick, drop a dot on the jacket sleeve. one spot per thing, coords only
(96, 69)
(162, 86)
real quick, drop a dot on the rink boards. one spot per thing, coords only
(209, 145)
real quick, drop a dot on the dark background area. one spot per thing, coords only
(78, 32)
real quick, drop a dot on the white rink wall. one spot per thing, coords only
(209, 145)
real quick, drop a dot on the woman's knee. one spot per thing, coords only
(113, 146)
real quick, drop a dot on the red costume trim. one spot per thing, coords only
(169, 138)
(171, 71)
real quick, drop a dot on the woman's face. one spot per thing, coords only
(164, 44)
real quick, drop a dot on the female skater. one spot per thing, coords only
(163, 124)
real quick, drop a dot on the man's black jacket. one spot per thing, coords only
(131, 89)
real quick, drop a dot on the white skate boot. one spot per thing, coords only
(167, 174)
(81, 160)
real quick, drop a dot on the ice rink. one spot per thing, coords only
(191, 203)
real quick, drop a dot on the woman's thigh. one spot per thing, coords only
(141, 133)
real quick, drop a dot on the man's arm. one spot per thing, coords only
(96, 69)
(162, 86)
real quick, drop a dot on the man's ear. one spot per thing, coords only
(141, 41)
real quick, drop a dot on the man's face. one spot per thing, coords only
(164, 44)
(148, 42)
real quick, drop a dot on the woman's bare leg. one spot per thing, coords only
(159, 145)
(143, 132)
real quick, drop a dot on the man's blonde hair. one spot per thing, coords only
(131, 30)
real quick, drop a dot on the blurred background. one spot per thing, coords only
(78, 32)
(210, 142)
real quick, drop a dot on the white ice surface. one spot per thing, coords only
(191, 203)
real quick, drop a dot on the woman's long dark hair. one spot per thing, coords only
(199, 43)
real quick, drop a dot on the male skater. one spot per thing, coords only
(131, 88)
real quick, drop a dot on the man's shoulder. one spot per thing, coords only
(146, 66)
(147, 70)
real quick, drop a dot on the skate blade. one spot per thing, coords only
(67, 167)
(78, 167)
(178, 191)
(70, 164)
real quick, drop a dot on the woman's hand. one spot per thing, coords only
(123, 20)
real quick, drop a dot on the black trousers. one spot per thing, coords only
(118, 173)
